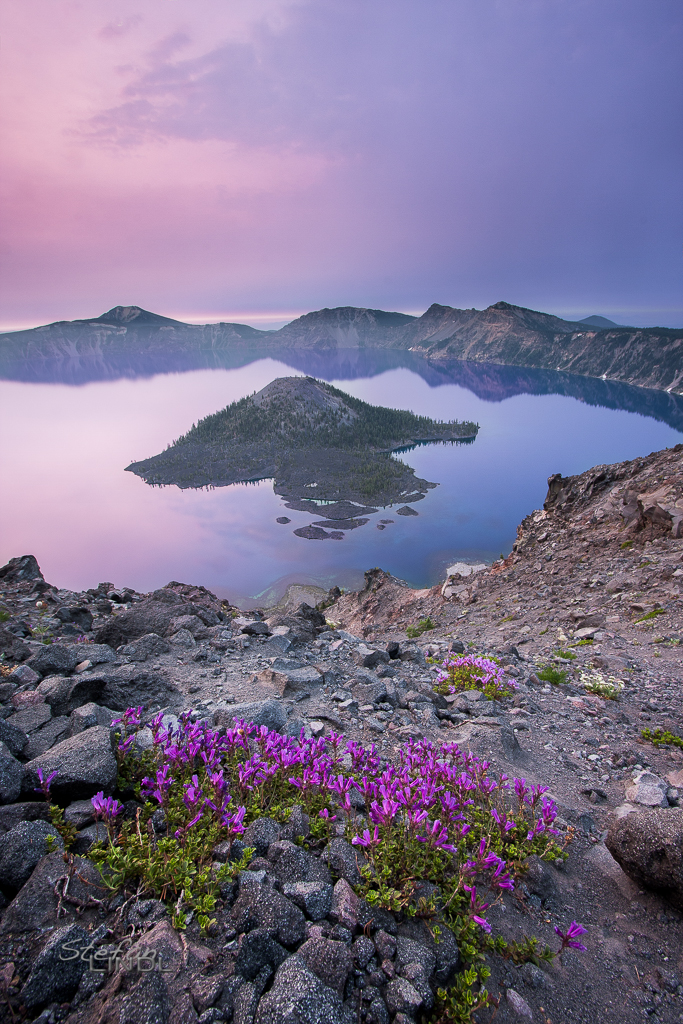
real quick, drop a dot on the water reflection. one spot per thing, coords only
(489, 382)
(69, 501)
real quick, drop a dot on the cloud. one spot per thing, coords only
(116, 29)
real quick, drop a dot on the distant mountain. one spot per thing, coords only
(502, 334)
(599, 321)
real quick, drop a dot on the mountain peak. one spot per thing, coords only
(133, 314)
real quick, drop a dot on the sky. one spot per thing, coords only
(252, 160)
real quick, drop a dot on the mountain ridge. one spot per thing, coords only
(502, 334)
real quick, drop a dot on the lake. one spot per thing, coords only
(70, 431)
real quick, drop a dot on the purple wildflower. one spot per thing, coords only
(569, 937)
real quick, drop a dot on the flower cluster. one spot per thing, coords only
(435, 815)
(595, 683)
(474, 672)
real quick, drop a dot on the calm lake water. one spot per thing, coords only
(68, 500)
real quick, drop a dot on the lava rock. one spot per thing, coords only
(85, 764)
(270, 713)
(11, 778)
(29, 810)
(14, 738)
(58, 968)
(88, 716)
(314, 898)
(299, 997)
(330, 961)
(151, 645)
(258, 906)
(258, 950)
(260, 834)
(649, 848)
(55, 659)
(344, 860)
(21, 848)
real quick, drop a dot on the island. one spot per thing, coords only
(327, 452)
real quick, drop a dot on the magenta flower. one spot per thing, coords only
(569, 937)
(366, 839)
(45, 783)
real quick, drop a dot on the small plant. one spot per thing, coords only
(422, 627)
(566, 655)
(583, 643)
(627, 544)
(595, 682)
(469, 672)
(65, 829)
(555, 676)
(4, 615)
(508, 618)
(662, 737)
(651, 615)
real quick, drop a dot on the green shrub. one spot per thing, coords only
(422, 627)
(662, 737)
(555, 676)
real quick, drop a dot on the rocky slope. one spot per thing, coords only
(501, 334)
(595, 574)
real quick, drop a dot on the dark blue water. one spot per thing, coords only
(71, 504)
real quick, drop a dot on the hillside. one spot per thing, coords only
(502, 334)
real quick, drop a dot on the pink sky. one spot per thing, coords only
(254, 159)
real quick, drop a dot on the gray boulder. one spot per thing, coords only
(30, 718)
(402, 997)
(58, 968)
(291, 863)
(258, 906)
(258, 950)
(329, 960)
(55, 659)
(79, 615)
(96, 654)
(270, 713)
(65, 694)
(14, 738)
(88, 716)
(409, 951)
(649, 848)
(153, 615)
(21, 569)
(344, 860)
(299, 997)
(23, 675)
(11, 778)
(21, 848)
(183, 638)
(29, 810)
(35, 905)
(45, 737)
(192, 623)
(149, 646)
(85, 763)
(260, 834)
(314, 898)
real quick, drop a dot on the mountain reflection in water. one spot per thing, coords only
(487, 381)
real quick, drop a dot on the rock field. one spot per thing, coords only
(591, 592)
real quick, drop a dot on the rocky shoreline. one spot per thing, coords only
(589, 598)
